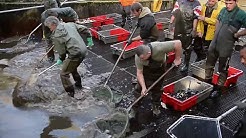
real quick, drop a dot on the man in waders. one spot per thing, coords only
(126, 12)
(230, 20)
(146, 22)
(68, 41)
(206, 27)
(67, 14)
(150, 62)
(184, 22)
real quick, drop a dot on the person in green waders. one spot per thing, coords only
(66, 14)
(229, 21)
(71, 48)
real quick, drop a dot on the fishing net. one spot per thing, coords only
(107, 94)
(195, 127)
(116, 123)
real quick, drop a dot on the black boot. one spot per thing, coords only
(217, 91)
(70, 91)
(185, 66)
(78, 85)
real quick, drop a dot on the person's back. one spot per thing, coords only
(67, 35)
(51, 4)
(67, 14)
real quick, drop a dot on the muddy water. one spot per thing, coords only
(57, 115)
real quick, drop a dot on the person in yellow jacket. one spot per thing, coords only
(126, 12)
(206, 27)
(156, 5)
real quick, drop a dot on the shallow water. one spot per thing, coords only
(56, 114)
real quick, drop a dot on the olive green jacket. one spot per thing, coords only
(67, 40)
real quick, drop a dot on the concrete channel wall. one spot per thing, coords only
(22, 18)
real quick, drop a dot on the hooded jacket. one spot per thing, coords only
(147, 23)
(67, 40)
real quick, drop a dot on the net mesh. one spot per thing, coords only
(116, 123)
(196, 128)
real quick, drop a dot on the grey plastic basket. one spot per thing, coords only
(107, 37)
(117, 17)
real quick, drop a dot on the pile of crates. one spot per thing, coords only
(96, 21)
(102, 27)
(110, 33)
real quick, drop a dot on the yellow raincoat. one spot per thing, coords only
(156, 5)
(210, 21)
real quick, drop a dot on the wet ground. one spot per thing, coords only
(46, 111)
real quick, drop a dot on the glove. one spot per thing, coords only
(240, 105)
(193, 33)
(90, 42)
(129, 41)
(58, 62)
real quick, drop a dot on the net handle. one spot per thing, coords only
(229, 111)
(146, 92)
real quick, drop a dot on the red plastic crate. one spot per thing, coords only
(108, 21)
(103, 19)
(121, 33)
(203, 88)
(170, 57)
(94, 32)
(175, 103)
(129, 51)
(233, 75)
(160, 26)
(133, 45)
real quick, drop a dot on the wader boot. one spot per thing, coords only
(187, 44)
(70, 67)
(185, 66)
(217, 91)
(77, 79)
(70, 91)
